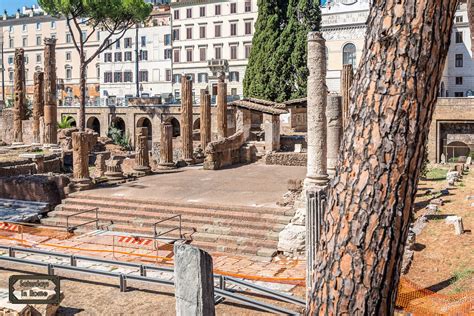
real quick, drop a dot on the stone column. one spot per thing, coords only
(334, 137)
(347, 76)
(100, 165)
(142, 158)
(187, 119)
(244, 122)
(194, 281)
(19, 102)
(271, 124)
(221, 108)
(317, 99)
(205, 118)
(166, 147)
(80, 157)
(50, 110)
(38, 106)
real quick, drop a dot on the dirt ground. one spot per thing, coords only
(444, 262)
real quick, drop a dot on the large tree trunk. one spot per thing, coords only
(81, 115)
(371, 197)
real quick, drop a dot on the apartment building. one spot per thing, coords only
(151, 43)
(28, 29)
(203, 31)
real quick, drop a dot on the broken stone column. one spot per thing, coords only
(80, 157)
(244, 122)
(347, 76)
(100, 167)
(205, 130)
(50, 111)
(142, 158)
(271, 125)
(194, 281)
(187, 119)
(317, 124)
(334, 132)
(166, 147)
(38, 106)
(221, 108)
(114, 172)
(19, 102)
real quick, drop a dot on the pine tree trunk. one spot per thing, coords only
(371, 197)
(81, 116)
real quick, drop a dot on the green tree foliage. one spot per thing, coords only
(66, 122)
(277, 65)
(113, 16)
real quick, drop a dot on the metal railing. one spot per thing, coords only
(220, 291)
(96, 220)
(156, 234)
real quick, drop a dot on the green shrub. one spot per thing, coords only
(118, 138)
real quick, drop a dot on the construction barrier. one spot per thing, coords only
(134, 240)
(10, 227)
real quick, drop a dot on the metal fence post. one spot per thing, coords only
(50, 269)
(11, 252)
(73, 261)
(123, 283)
(142, 270)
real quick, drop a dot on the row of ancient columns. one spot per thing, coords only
(44, 98)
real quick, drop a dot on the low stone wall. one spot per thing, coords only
(6, 127)
(52, 164)
(287, 142)
(286, 159)
(224, 152)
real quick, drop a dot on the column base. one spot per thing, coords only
(142, 170)
(166, 166)
(190, 161)
(314, 183)
(82, 184)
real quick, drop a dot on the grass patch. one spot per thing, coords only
(436, 174)
(458, 277)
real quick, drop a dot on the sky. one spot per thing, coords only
(12, 5)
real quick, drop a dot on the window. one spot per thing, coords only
(234, 76)
(38, 58)
(108, 57)
(118, 56)
(248, 28)
(176, 78)
(459, 60)
(217, 9)
(458, 94)
(233, 8)
(167, 39)
(233, 52)
(127, 76)
(217, 30)
(248, 49)
(202, 54)
(176, 14)
(38, 40)
(143, 55)
(233, 91)
(349, 55)
(459, 38)
(176, 56)
(189, 13)
(128, 56)
(218, 52)
(189, 54)
(10, 75)
(168, 75)
(143, 76)
(233, 29)
(10, 29)
(189, 33)
(24, 28)
(108, 44)
(117, 44)
(202, 77)
(118, 76)
(459, 19)
(459, 80)
(168, 53)
(107, 77)
(68, 38)
(53, 35)
(10, 60)
(143, 41)
(248, 6)
(202, 11)
(68, 73)
(11, 42)
(53, 25)
(176, 34)
(38, 26)
(128, 42)
(68, 56)
(202, 31)
(84, 34)
(25, 41)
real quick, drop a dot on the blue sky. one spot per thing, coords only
(12, 5)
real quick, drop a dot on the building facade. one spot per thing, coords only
(203, 31)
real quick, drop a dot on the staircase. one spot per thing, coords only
(245, 230)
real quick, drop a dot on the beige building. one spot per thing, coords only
(28, 30)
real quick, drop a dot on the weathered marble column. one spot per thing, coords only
(205, 130)
(221, 107)
(271, 124)
(38, 106)
(80, 157)
(166, 147)
(317, 98)
(142, 158)
(50, 110)
(187, 118)
(19, 102)
(334, 132)
(347, 76)
(100, 167)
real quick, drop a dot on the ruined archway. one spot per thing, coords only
(145, 122)
(176, 126)
(118, 123)
(457, 149)
(93, 123)
(197, 129)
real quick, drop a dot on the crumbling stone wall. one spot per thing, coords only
(286, 159)
(6, 128)
(52, 164)
(224, 152)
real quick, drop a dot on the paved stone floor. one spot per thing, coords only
(252, 185)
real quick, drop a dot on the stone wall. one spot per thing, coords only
(287, 142)
(6, 127)
(286, 159)
(52, 164)
(39, 188)
(224, 152)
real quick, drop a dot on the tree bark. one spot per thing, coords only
(81, 115)
(371, 197)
